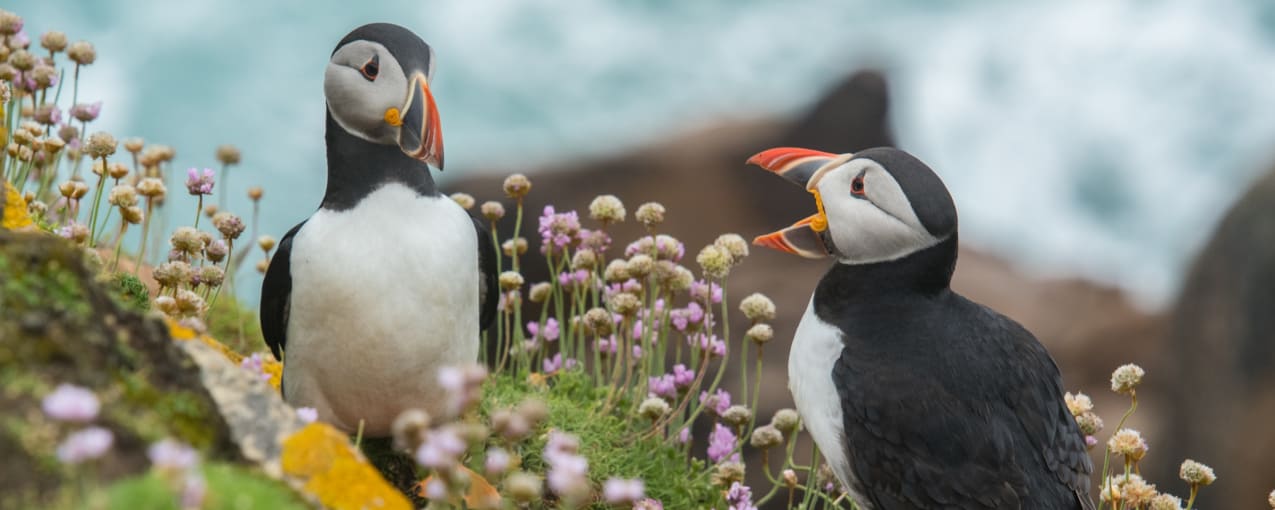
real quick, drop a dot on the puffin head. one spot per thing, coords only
(377, 89)
(876, 205)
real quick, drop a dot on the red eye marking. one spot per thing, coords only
(371, 68)
(856, 186)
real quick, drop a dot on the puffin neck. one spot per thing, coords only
(357, 167)
(925, 272)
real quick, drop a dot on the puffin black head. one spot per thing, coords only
(876, 205)
(377, 88)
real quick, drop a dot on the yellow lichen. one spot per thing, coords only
(15, 210)
(183, 333)
(334, 473)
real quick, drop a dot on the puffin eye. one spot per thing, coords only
(856, 186)
(371, 68)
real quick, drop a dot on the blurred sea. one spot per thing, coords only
(1116, 130)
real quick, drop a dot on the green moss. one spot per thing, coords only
(173, 412)
(48, 285)
(229, 487)
(130, 292)
(234, 325)
(609, 442)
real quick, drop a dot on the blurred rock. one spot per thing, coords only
(1222, 345)
(58, 325)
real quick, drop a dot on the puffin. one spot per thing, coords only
(916, 396)
(390, 280)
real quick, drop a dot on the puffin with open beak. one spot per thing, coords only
(916, 396)
(390, 280)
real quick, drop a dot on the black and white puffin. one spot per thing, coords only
(389, 280)
(916, 396)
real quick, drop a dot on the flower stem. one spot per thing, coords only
(141, 249)
(199, 210)
(97, 202)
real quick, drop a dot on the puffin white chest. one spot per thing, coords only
(383, 295)
(815, 349)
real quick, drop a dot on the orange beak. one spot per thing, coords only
(803, 167)
(421, 133)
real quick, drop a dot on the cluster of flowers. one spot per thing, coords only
(653, 335)
(176, 462)
(45, 156)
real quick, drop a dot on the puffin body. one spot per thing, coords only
(390, 280)
(916, 396)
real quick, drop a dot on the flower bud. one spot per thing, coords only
(517, 186)
(617, 271)
(228, 154)
(229, 225)
(540, 292)
(510, 280)
(735, 245)
(82, 53)
(211, 275)
(640, 266)
(715, 261)
(1195, 473)
(766, 436)
(266, 243)
(585, 259)
(134, 145)
(263, 265)
(786, 420)
(166, 304)
(254, 193)
(599, 321)
(758, 308)
(53, 41)
(187, 240)
(790, 479)
(492, 210)
(760, 333)
(464, 200)
(650, 214)
(653, 408)
(511, 246)
(100, 145)
(1126, 378)
(737, 415)
(133, 214)
(607, 209)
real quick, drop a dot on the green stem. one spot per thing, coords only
(97, 201)
(199, 210)
(141, 249)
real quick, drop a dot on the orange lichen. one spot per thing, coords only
(334, 473)
(180, 332)
(15, 215)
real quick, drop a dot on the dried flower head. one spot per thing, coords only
(1125, 379)
(607, 209)
(540, 292)
(1136, 492)
(728, 473)
(1166, 502)
(584, 259)
(757, 307)
(737, 415)
(599, 321)
(190, 303)
(82, 53)
(492, 210)
(263, 265)
(654, 408)
(1129, 444)
(229, 225)
(767, 436)
(53, 41)
(523, 487)
(1195, 473)
(1271, 499)
(735, 245)
(464, 200)
(512, 246)
(617, 271)
(152, 187)
(101, 144)
(68, 189)
(10, 23)
(1090, 423)
(211, 275)
(254, 193)
(640, 266)
(650, 214)
(409, 429)
(625, 304)
(790, 478)
(517, 186)
(134, 145)
(510, 280)
(7, 74)
(132, 214)
(715, 261)
(266, 243)
(682, 279)
(786, 420)
(216, 250)
(22, 60)
(122, 195)
(187, 240)
(760, 333)
(228, 154)
(1078, 404)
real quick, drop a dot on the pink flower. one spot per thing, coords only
(596, 240)
(256, 365)
(86, 444)
(550, 333)
(662, 386)
(558, 230)
(71, 403)
(86, 112)
(618, 490)
(706, 292)
(440, 450)
(716, 403)
(307, 414)
(608, 345)
(497, 461)
(648, 504)
(682, 377)
(684, 435)
(194, 489)
(200, 184)
(721, 443)
(740, 497)
(172, 455)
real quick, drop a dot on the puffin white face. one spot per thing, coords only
(867, 213)
(870, 218)
(362, 82)
(372, 96)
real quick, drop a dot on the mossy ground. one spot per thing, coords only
(610, 442)
(229, 487)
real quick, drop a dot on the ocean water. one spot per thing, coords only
(1085, 137)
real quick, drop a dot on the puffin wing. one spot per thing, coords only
(488, 291)
(276, 296)
(912, 444)
(1033, 394)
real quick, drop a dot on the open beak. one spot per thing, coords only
(804, 167)
(421, 135)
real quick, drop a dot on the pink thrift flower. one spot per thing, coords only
(721, 443)
(71, 403)
(618, 490)
(86, 444)
(307, 414)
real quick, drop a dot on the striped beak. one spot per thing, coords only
(421, 135)
(804, 167)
